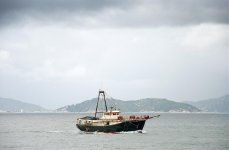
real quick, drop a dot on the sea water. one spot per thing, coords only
(57, 131)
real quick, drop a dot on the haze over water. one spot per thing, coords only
(168, 132)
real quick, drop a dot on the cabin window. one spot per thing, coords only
(107, 113)
(112, 113)
(115, 113)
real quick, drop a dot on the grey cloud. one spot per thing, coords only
(60, 10)
(114, 13)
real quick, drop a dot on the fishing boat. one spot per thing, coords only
(111, 120)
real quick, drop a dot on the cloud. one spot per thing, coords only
(4, 55)
(114, 13)
(118, 55)
(5, 59)
(49, 70)
(204, 37)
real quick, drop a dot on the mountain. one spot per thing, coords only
(220, 104)
(142, 105)
(11, 105)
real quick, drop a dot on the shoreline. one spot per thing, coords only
(122, 112)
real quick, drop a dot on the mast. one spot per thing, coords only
(101, 93)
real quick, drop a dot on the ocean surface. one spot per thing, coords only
(57, 131)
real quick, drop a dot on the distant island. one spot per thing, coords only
(11, 105)
(220, 104)
(142, 105)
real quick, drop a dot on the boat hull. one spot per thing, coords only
(130, 125)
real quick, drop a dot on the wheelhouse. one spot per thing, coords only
(111, 115)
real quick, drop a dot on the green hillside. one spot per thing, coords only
(11, 105)
(142, 105)
(220, 104)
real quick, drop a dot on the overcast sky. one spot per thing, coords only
(55, 53)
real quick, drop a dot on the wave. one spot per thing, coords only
(124, 132)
